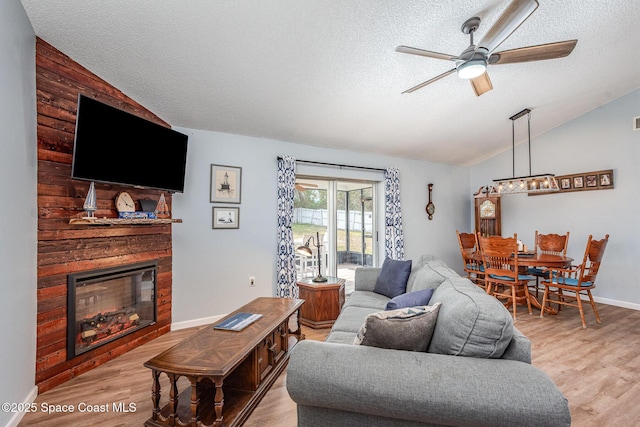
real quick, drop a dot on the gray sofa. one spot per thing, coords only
(477, 370)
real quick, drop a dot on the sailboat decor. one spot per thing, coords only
(90, 205)
(162, 210)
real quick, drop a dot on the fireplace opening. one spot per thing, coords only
(107, 304)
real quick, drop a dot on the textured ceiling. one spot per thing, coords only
(325, 72)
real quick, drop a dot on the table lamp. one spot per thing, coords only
(306, 251)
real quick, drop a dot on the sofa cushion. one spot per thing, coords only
(392, 280)
(404, 329)
(429, 275)
(341, 337)
(471, 322)
(351, 318)
(410, 299)
(366, 299)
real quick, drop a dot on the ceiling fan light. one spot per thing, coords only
(472, 68)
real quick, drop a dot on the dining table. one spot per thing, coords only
(537, 260)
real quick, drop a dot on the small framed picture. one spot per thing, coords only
(565, 183)
(605, 180)
(224, 217)
(226, 182)
(592, 180)
(578, 182)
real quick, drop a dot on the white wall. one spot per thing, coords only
(18, 219)
(600, 139)
(211, 267)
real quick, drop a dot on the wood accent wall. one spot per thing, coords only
(65, 249)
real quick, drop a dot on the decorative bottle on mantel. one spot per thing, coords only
(90, 205)
(162, 210)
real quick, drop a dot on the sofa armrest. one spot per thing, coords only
(423, 387)
(365, 278)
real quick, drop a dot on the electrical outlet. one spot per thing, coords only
(252, 281)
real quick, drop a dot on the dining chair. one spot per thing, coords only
(552, 244)
(500, 259)
(569, 284)
(473, 267)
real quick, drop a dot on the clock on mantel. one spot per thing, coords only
(487, 212)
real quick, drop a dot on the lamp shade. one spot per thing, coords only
(304, 250)
(472, 68)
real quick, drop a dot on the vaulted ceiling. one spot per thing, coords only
(326, 73)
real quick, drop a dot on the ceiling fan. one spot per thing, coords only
(472, 63)
(302, 186)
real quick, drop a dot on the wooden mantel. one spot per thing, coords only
(123, 221)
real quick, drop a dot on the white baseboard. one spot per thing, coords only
(196, 322)
(17, 417)
(616, 303)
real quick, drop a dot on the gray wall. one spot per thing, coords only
(18, 219)
(211, 267)
(600, 139)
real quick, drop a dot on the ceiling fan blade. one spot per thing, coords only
(427, 53)
(513, 16)
(534, 53)
(423, 84)
(481, 84)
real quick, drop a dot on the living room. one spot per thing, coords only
(211, 268)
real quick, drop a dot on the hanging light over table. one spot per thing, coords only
(543, 183)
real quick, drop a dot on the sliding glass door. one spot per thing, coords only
(339, 215)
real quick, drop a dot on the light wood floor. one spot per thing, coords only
(597, 368)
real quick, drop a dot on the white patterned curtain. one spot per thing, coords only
(393, 236)
(286, 263)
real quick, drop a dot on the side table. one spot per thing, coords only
(323, 301)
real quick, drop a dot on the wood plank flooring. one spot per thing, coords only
(597, 368)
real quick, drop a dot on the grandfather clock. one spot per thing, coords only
(487, 212)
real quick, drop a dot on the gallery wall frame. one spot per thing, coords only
(586, 181)
(225, 217)
(226, 184)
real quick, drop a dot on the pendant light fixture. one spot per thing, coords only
(544, 183)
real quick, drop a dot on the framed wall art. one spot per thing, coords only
(586, 181)
(226, 184)
(606, 179)
(225, 217)
(578, 182)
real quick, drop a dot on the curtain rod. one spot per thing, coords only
(311, 162)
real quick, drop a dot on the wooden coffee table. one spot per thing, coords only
(228, 372)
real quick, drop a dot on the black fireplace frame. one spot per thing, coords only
(94, 276)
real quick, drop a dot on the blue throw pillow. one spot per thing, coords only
(410, 299)
(393, 277)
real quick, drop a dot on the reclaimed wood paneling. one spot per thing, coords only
(63, 248)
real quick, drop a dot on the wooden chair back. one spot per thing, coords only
(592, 259)
(553, 244)
(468, 247)
(500, 255)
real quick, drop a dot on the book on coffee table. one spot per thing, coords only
(238, 321)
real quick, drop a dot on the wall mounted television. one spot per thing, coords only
(116, 147)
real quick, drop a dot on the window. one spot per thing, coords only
(339, 214)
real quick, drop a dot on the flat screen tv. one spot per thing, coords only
(117, 147)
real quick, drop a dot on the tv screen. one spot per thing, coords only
(117, 147)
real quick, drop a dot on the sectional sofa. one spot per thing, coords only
(476, 370)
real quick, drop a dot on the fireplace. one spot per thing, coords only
(105, 305)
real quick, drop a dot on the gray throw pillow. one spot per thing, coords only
(393, 277)
(404, 329)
